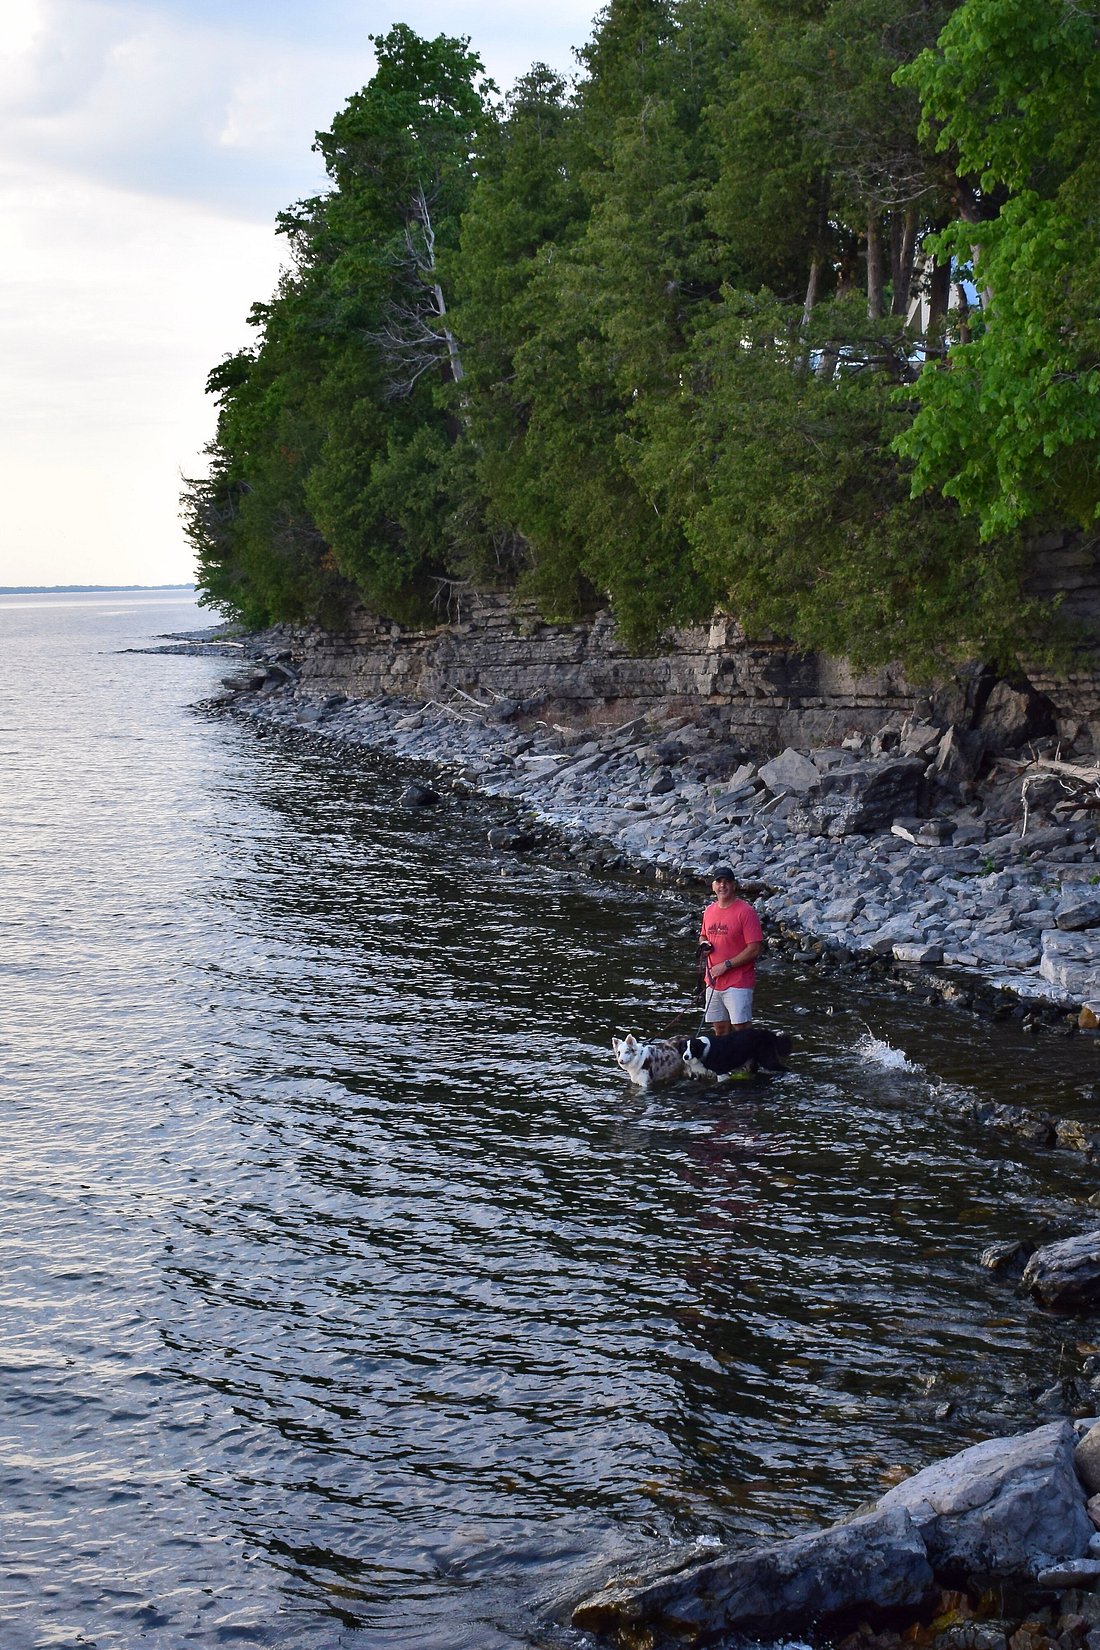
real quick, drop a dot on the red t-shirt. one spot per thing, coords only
(729, 929)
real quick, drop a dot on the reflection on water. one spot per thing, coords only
(351, 1296)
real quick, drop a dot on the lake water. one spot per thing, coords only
(349, 1296)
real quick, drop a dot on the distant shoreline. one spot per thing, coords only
(82, 589)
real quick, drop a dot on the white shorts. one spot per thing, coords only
(734, 1004)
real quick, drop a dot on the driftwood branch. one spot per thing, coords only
(1080, 783)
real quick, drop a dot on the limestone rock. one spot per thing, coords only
(1008, 1506)
(859, 797)
(1014, 714)
(1080, 909)
(790, 772)
(1066, 1275)
(1071, 961)
(418, 796)
(925, 833)
(877, 1561)
(919, 738)
(925, 955)
(958, 757)
(1005, 1257)
(1074, 1572)
(1086, 1458)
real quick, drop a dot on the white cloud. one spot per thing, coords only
(146, 147)
(112, 309)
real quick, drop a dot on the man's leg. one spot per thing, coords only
(739, 1003)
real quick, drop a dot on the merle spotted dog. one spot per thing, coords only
(661, 1061)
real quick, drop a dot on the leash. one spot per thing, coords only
(703, 974)
(683, 1015)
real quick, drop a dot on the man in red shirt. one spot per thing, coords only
(731, 929)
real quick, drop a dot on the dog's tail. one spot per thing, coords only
(782, 1044)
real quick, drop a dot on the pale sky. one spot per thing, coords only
(145, 148)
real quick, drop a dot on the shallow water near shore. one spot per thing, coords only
(351, 1298)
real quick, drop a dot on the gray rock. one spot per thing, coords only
(926, 833)
(898, 931)
(1012, 715)
(1066, 1275)
(1005, 1257)
(844, 909)
(789, 772)
(958, 757)
(859, 797)
(1086, 1458)
(875, 1562)
(929, 955)
(1014, 951)
(1071, 961)
(919, 738)
(1007, 1507)
(1079, 909)
(1074, 1572)
(1045, 839)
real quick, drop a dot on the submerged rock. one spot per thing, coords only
(1066, 1275)
(1008, 1512)
(877, 1562)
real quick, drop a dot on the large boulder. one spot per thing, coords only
(859, 797)
(1071, 962)
(1086, 1458)
(875, 1562)
(958, 759)
(1015, 713)
(1078, 909)
(789, 774)
(1008, 1507)
(1066, 1275)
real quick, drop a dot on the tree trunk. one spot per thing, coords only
(939, 297)
(454, 360)
(903, 238)
(812, 287)
(974, 209)
(876, 281)
(817, 261)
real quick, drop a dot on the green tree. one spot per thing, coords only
(1010, 424)
(338, 411)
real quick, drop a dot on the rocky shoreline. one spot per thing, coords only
(888, 853)
(665, 797)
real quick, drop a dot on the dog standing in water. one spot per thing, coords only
(661, 1061)
(751, 1049)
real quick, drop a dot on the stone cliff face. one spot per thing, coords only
(772, 696)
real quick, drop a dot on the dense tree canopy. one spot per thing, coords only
(790, 307)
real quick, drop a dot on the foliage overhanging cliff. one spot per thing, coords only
(654, 338)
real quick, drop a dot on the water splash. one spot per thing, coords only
(877, 1052)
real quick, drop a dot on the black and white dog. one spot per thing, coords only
(752, 1049)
